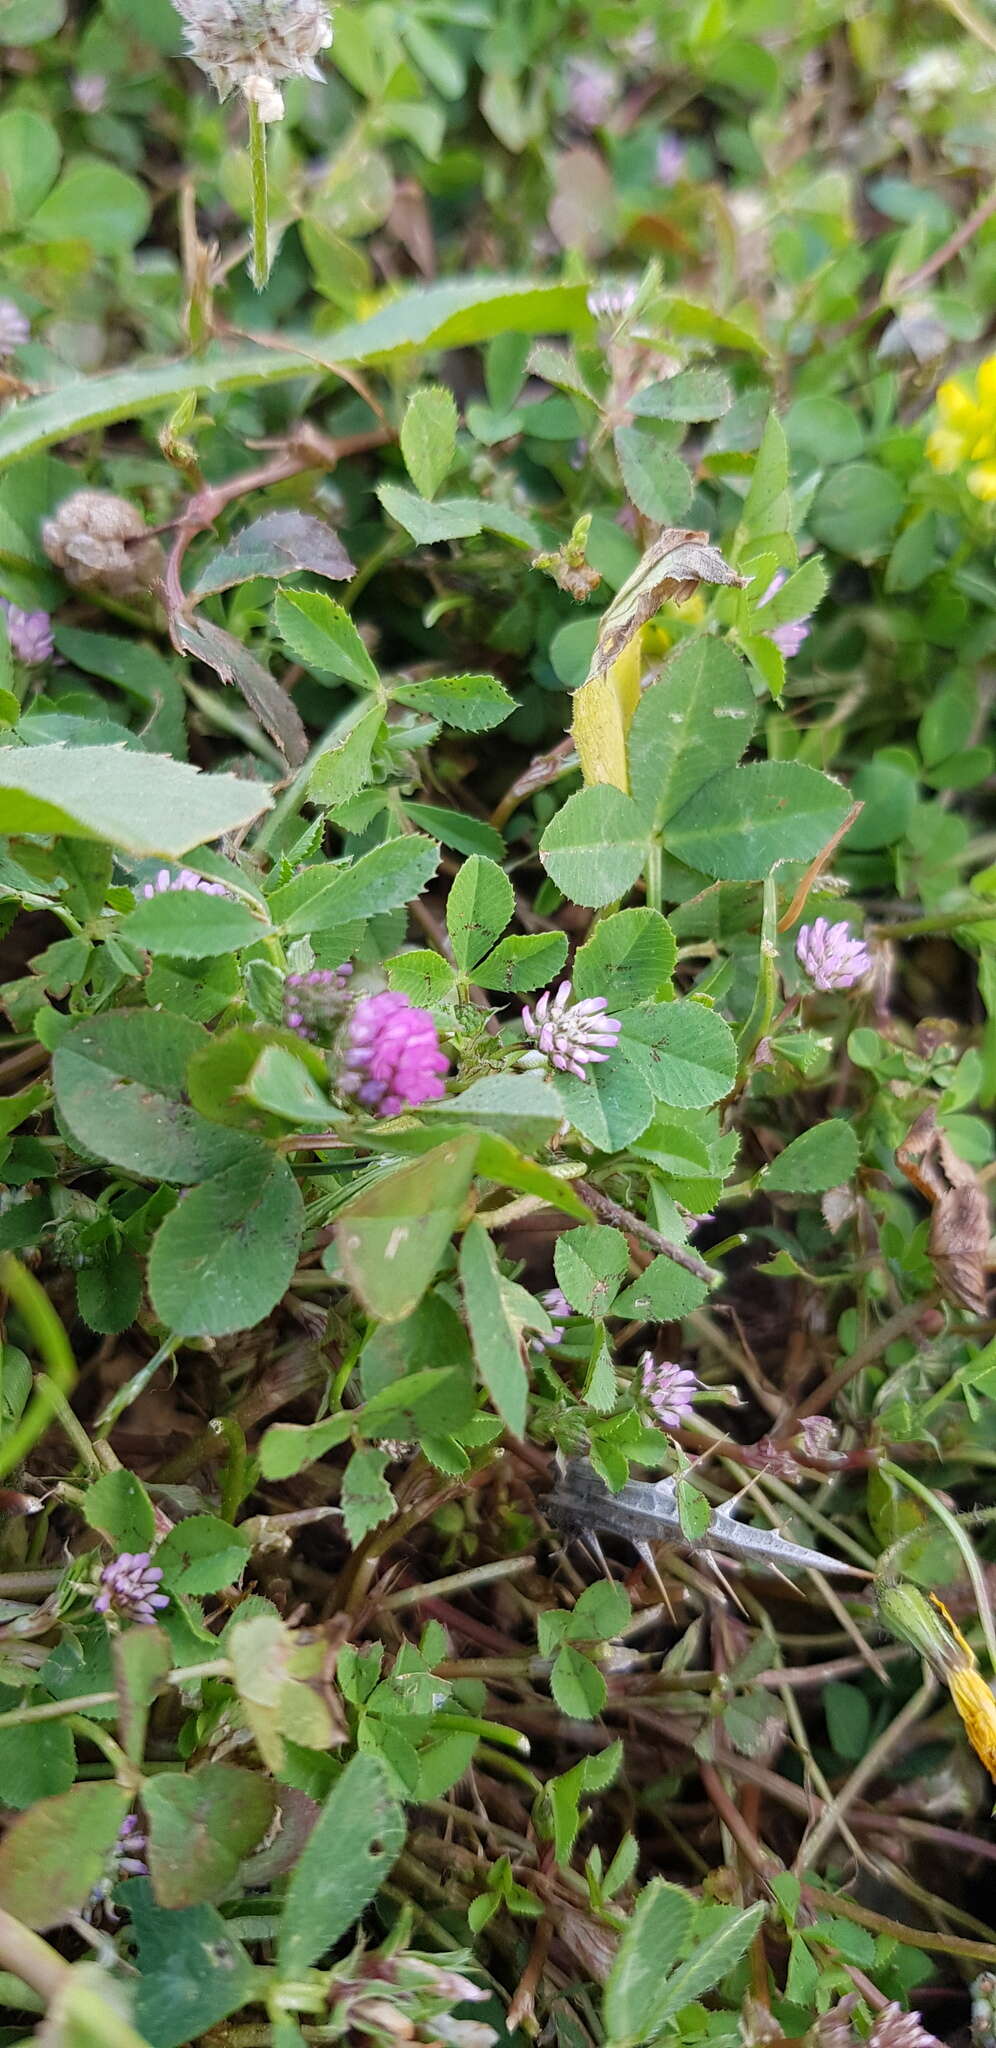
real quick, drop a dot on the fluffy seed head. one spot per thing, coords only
(831, 956)
(391, 1057)
(96, 537)
(238, 41)
(573, 1035)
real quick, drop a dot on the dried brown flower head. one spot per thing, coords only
(97, 538)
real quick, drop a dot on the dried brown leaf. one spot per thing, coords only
(959, 1223)
(671, 569)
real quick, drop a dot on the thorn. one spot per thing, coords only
(589, 1542)
(646, 1555)
(713, 1564)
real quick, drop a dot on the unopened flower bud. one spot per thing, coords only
(96, 537)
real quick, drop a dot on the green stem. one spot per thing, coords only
(489, 1731)
(937, 921)
(957, 1533)
(25, 1955)
(652, 875)
(127, 1775)
(260, 267)
(53, 1344)
(57, 1710)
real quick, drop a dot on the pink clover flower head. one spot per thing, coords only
(165, 884)
(669, 1389)
(789, 637)
(29, 633)
(129, 1587)
(314, 1001)
(15, 327)
(574, 1036)
(669, 160)
(831, 956)
(559, 1310)
(392, 1058)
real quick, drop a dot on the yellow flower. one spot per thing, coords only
(967, 431)
(970, 1693)
(975, 1704)
(930, 1629)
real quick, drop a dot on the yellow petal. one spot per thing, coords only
(982, 482)
(977, 1708)
(945, 450)
(956, 407)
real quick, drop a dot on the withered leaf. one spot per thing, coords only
(277, 545)
(959, 1225)
(234, 664)
(672, 568)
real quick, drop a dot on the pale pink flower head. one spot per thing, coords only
(895, 2028)
(831, 956)
(313, 1002)
(129, 1587)
(669, 161)
(559, 1310)
(573, 1035)
(391, 1058)
(29, 634)
(592, 91)
(15, 327)
(669, 1389)
(166, 884)
(788, 638)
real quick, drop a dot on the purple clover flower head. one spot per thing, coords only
(392, 1058)
(128, 1853)
(670, 1390)
(559, 1310)
(669, 161)
(126, 1859)
(29, 633)
(15, 327)
(789, 637)
(313, 1002)
(574, 1036)
(129, 1587)
(831, 956)
(165, 884)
